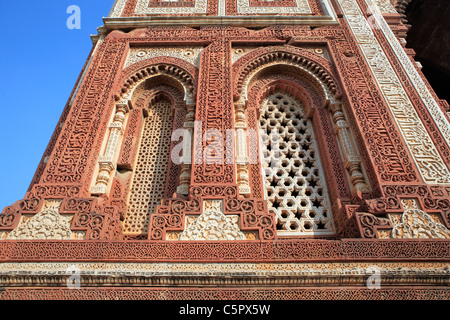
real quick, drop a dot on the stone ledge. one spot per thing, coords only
(173, 274)
(197, 21)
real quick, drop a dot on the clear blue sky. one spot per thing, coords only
(40, 60)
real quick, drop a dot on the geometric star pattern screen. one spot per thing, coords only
(293, 176)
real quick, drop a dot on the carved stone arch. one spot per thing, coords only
(162, 94)
(135, 79)
(302, 61)
(178, 72)
(172, 89)
(143, 82)
(300, 87)
(155, 89)
(313, 105)
(287, 60)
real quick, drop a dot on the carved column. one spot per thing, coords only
(186, 163)
(107, 162)
(352, 161)
(241, 149)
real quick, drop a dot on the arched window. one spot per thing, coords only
(159, 173)
(304, 161)
(154, 118)
(294, 182)
(151, 168)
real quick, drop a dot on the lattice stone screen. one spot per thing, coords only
(150, 172)
(293, 177)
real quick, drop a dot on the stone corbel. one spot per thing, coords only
(107, 163)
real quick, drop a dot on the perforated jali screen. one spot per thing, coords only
(150, 171)
(294, 182)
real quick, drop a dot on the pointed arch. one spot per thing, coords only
(176, 71)
(301, 61)
(157, 97)
(308, 82)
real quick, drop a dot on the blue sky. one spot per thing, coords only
(40, 60)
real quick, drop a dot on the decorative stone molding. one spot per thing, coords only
(429, 101)
(281, 57)
(213, 225)
(190, 293)
(384, 6)
(199, 7)
(212, 274)
(160, 69)
(369, 225)
(117, 10)
(300, 7)
(220, 8)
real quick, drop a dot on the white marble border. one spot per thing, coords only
(116, 12)
(200, 7)
(425, 94)
(243, 7)
(249, 269)
(190, 54)
(428, 160)
(142, 7)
